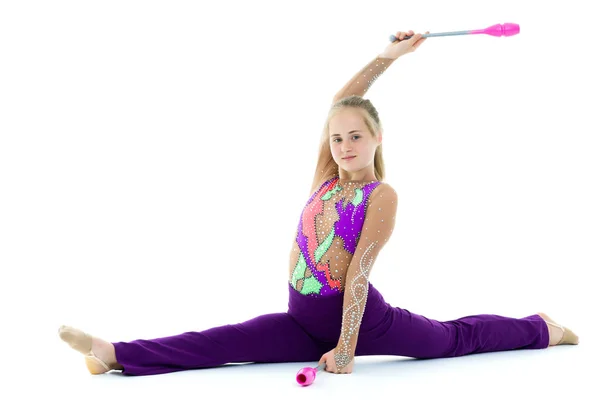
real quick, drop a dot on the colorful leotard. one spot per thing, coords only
(327, 236)
(342, 228)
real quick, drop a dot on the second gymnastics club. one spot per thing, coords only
(507, 29)
(307, 375)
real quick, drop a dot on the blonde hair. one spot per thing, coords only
(326, 165)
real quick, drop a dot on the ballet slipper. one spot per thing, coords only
(568, 336)
(82, 342)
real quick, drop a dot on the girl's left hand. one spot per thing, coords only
(399, 48)
(329, 360)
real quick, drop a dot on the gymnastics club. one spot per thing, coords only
(507, 29)
(307, 375)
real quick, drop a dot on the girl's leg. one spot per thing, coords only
(396, 331)
(268, 338)
(487, 333)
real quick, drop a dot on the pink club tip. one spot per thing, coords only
(306, 376)
(507, 29)
(511, 29)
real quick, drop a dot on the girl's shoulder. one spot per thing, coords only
(382, 189)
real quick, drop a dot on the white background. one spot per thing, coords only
(155, 158)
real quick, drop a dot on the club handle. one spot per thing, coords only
(393, 38)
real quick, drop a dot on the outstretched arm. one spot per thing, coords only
(378, 226)
(364, 79)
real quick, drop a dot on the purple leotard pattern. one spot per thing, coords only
(348, 228)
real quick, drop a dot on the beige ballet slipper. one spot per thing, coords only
(82, 342)
(568, 336)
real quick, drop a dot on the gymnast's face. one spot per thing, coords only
(350, 136)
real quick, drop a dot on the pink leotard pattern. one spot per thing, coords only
(350, 215)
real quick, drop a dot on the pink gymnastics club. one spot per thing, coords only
(307, 375)
(507, 29)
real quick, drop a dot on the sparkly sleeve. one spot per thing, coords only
(362, 81)
(377, 228)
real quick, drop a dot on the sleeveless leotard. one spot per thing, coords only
(342, 228)
(327, 235)
(331, 225)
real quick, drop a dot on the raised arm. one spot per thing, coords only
(379, 224)
(358, 85)
(362, 81)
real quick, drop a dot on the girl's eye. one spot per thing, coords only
(335, 140)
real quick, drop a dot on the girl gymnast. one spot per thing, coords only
(334, 312)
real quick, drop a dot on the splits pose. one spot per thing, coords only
(334, 313)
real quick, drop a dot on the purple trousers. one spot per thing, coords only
(311, 327)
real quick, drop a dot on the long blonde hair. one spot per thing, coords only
(326, 165)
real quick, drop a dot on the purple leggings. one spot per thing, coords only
(311, 327)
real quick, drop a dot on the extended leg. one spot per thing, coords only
(267, 338)
(407, 334)
(387, 330)
(487, 332)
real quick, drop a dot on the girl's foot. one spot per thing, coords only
(558, 333)
(99, 354)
